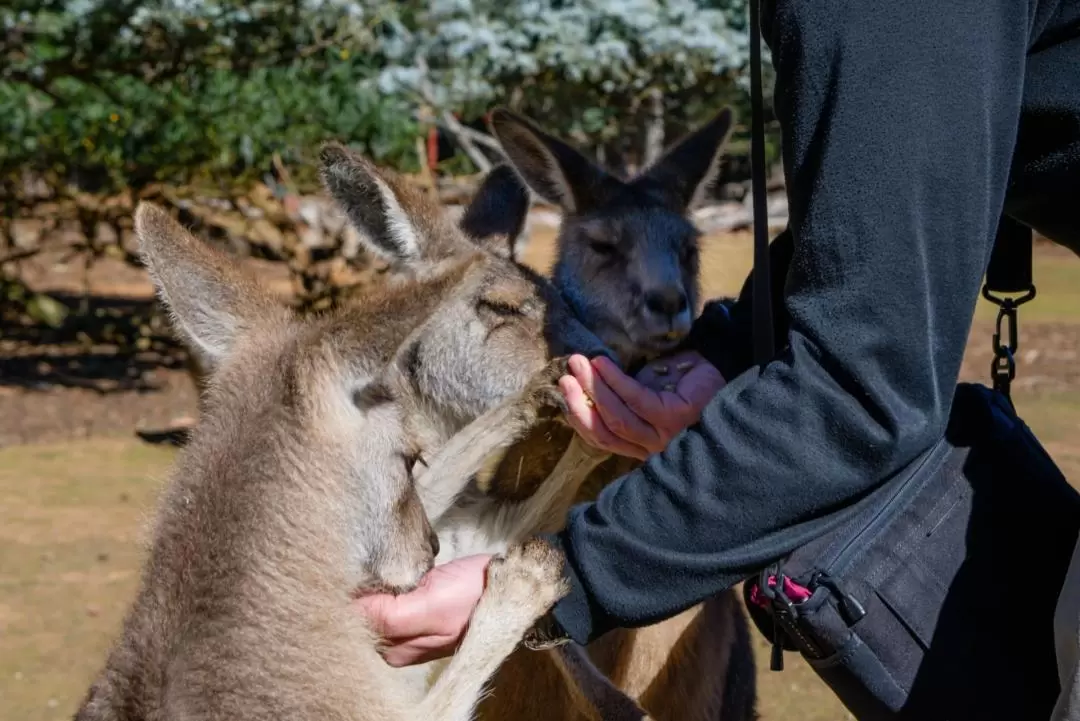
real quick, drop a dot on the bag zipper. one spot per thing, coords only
(850, 608)
(841, 559)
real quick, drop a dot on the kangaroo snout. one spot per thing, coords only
(667, 314)
(666, 302)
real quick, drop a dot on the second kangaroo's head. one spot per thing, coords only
(628, 254)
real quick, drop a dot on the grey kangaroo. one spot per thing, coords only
(627, 265)
(627, 270)
(299, 488)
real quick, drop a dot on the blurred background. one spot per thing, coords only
(215, 109)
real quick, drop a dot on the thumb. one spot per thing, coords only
(700, 385)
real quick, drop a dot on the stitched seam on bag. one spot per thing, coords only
(846, 656)
(937, 456)
(802, 637)
(884, 667)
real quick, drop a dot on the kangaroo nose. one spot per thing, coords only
(667, 302)
(433, 539)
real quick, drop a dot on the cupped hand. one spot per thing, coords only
(637, 417)
(428, 622)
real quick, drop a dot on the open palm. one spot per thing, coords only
(637, 417)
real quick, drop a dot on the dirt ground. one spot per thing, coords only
(78, 485)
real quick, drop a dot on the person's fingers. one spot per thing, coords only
(619, 419)
(376, 609)
(637, 397)
(580, 408)
(597, 435)
(399, 617)
(665, 413)
(587, 423)
(418, 651)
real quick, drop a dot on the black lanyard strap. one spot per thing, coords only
(762, 293)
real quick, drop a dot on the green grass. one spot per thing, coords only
(1055, 420)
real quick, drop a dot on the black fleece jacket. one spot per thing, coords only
(908, 129)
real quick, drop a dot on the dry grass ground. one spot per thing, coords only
(73, 511)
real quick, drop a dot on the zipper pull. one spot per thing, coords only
(776, 660)
(850, 608)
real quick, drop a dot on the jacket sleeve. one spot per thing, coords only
(723, 333)
(899, 119)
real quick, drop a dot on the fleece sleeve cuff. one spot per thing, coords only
(576, 612)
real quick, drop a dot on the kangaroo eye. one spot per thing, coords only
(601, 247)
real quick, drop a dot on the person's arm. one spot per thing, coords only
(899, 119)
(723, 333)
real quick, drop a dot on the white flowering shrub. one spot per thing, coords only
(582, 68)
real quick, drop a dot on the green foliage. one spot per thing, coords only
(37, 307)
(111, 93)
(586, 69)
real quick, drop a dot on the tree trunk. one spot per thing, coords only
(654, 127)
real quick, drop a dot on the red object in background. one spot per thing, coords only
(432, 148)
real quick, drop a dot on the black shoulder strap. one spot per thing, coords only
(1010, 262)
(762, 293)
(1009, 271)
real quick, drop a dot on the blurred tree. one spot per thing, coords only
(619, 76)
(108, 93)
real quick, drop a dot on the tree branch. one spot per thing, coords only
(477, 137)
(449, 122)
(461, 136)
(17, 255)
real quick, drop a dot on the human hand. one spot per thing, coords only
(637, 417)
(428, 622)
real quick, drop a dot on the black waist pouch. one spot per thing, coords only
(934, 596)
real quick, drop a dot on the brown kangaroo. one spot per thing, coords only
(296, 491)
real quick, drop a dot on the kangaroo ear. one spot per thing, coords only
(496, 215)
(554, 170)
(212, 300)
(393, 217)
(685, 172)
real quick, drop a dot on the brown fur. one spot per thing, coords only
(506, 306)
(295, 490)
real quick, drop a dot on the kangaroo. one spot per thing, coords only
(294, 492)
(627, 265)
(302, 484)
(627, 270)
(503, 315)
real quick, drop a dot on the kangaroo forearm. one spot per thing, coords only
(546, 509)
